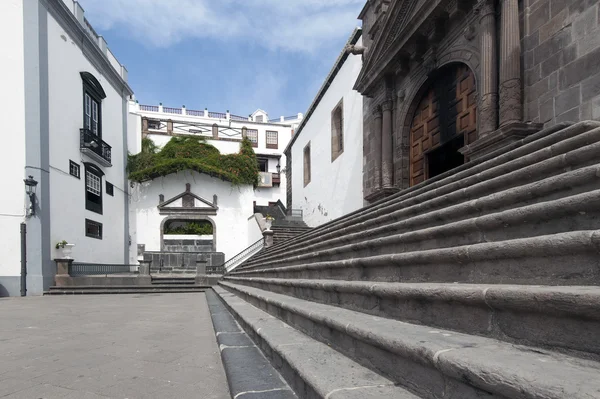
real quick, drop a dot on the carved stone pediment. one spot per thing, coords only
(410, 26)
(187, 203)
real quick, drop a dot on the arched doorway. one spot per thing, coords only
(445, 120)
(188, 234)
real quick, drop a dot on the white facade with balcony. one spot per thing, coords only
(68, 111)
(224, 131)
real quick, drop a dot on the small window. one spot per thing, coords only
(92, 104)
(252, 135)
(260, 118)
(307, 164)
(337, 130)
(271, 139)
(263, 165)
(93, 189)
(110, 189)
(153, 124)
(74, 169)
(93, 229)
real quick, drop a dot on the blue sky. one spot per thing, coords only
(226, 54)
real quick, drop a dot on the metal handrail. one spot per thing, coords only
(91, 141)
(251, 250)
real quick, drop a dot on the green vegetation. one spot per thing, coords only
(193, 153)
(198, 228)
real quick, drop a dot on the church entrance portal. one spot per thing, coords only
(445, 120)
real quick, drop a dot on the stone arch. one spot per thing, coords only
(410, 94)
(188, 217)
(420, 153)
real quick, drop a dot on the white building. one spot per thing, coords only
(65, 95)
(226, 207)
(325, 156)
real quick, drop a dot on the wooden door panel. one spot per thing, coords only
(447, 110)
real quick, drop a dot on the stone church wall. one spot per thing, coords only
(561, 60)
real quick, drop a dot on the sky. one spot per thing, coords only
(237, 55)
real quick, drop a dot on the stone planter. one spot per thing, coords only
(65, 253)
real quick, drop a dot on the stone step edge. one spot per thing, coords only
(520, 372)
(569, 301)
(303, 367)
(408, 230)
(409, 195)
(542, 246)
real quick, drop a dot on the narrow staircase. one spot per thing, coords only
(478, 283)
(284, 230)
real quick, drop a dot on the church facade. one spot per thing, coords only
(445, 81)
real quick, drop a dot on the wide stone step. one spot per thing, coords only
(578, 212)
(570, 258)
(567, 318)
(431, 362)
(569, 148)
(311, 368)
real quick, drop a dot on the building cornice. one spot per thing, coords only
(353, 39)
(59, 11)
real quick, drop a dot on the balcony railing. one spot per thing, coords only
(238, 118)
(92, 145)
(219, 115)
(169, 110)
(151, 108)
(193, 112)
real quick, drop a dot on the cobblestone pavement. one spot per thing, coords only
(109, 346)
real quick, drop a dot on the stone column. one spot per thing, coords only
(144, 268)
(511, 109)
(62, 277)
(387, 158)
(376, 148)
(488, 103)
(268, 237)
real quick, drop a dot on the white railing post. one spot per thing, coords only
(281, 118)
(227, 115)
(183, 111)
(160, 107)
(206, 112)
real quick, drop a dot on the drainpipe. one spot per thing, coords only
(23, 259)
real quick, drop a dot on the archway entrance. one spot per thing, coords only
(445, 120)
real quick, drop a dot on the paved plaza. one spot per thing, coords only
(109, 346)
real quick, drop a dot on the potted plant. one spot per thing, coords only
(64, 249)
(269, 221)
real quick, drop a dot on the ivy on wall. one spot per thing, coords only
(193, 153)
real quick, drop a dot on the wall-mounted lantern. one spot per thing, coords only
(278, 167)
(30, 185)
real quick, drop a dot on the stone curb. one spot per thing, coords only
(249, 374)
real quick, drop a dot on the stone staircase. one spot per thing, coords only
(478, 283)
(286, 230)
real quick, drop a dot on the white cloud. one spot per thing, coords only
(293, 25)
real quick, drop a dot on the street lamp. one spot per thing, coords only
(30, 185)
(278, 167)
